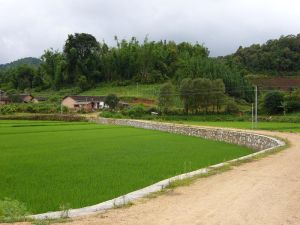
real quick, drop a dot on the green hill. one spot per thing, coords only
(29, 61)
(275, 57)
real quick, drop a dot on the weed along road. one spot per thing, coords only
(266, 191)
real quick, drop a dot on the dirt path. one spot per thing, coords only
(266, 191)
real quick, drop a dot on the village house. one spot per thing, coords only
(86, 103)
(3, 98)
(17, 98)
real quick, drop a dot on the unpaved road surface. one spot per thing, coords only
(266, 191)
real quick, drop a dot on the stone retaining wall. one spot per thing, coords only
(254, 141)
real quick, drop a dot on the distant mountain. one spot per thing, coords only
(29, 61)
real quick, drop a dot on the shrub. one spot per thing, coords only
(12, 210)
(273, 102)
(54, 99)
(136, 111)
(232, 107)
(112, 101)
(7, 109)
(292, 101)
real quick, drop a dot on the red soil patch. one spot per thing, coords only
(283, 83)
(143, 101)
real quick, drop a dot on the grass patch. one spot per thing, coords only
(12, 211)
(149, 91)
(50, 164)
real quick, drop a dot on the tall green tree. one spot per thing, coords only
(185, 91)
(273, 102)
(166, 97)
(79, 50)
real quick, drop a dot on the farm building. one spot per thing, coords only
(25, 98)
(87, 103)
(3, 98)
(18, 98)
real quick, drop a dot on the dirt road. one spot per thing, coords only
(266, 191)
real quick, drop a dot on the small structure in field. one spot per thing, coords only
(25, 98)
(38, 99)
(86, 103)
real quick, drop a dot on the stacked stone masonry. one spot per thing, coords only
(254, 141)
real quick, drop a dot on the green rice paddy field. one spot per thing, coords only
(49, 164)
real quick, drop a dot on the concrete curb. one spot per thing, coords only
(133, 196)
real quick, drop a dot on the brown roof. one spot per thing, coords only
(4, 98)
(41, 99)
(283, 83)
(79, 98)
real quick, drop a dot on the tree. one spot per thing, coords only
(218, 94)
(23, 77)
(185, 94)
(292, 101)
(112, 101)
(53, 68)
(80, 50)
(273, 102)
(166, 96)
(232, 107)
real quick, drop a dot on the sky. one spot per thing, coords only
(28, 27)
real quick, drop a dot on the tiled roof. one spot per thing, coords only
(78, 98)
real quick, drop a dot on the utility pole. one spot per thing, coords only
(256, 105)
(252, 124)
(0, 101)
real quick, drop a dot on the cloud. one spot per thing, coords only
(29, 27)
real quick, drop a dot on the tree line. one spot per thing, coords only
(85, 62)
(197, 95)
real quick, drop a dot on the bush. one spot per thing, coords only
(136, 111)
(12, 211)
(54, 99)
(7, 109)
(292, 101)
(232, 107)
(112, 101)
(109, 114)
(273, 102)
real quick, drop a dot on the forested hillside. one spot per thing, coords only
(85, 62)
(275, 57)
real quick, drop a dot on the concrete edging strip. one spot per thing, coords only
(133, 196)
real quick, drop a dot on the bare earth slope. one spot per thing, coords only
(266, 191)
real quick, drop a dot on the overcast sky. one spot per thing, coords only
(28, 27)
